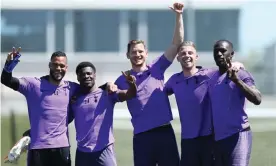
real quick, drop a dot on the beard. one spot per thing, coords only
(57, 76)
(87, 87)
(90, 85)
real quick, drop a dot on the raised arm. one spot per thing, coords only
(6, 77)
(124, 95)
(8, 80)
(178, 37)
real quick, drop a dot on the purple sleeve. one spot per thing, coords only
(120, 82)
(161, 64)
(168, 86)
(117, 81)
(74, 87)
(246, 77)
(210, 71)
(24, 85)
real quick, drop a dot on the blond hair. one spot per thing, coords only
(187, 43)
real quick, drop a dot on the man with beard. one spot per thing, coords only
(154, 140)
(228, 89)
(47, 99)
(93, 112)
(190, 89)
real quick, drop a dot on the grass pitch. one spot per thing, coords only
(263, 152)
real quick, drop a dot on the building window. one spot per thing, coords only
(133, 24)
(23, 28)
(60, 28)
(213, 25)
(161, 25)
(96, 31)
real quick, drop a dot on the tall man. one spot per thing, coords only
(229, 89)
(93, 112)
(154, 139)
(47, 99)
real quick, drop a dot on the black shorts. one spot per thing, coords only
(49, 157)
(157, 146)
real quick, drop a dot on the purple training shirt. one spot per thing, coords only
(228, 104)
(94, 120)
(150, 108)
(193, 102)
(48, 110)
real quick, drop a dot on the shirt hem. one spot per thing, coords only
(48, 147)
(153, 127)
(226, 136)
(203, 135)
(92, 151)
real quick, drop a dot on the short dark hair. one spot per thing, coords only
(224, 40)
(83, 65)
(134, 42)
(58, 54)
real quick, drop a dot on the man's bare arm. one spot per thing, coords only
(178, 37)
(128, 94)
(250, 92)
(124, 95)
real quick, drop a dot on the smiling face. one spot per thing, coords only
(58, 68)
(187, 56)
(86, 77)
(137, 53)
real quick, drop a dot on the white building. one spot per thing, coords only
(98, 28)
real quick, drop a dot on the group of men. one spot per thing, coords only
(214, 126)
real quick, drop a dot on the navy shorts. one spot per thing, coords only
(105, 157)
(46, 157)
(197, 151)
(234, 150)
(156, 146)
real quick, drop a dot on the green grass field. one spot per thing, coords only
(263, 153)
